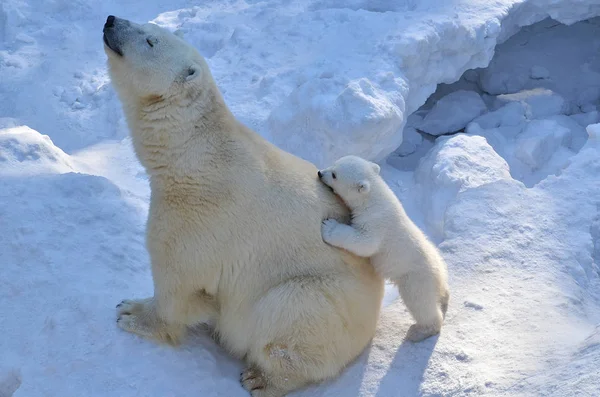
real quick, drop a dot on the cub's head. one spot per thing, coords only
(351, 178)
(147, 62)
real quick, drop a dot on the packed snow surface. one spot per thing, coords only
(512, 196)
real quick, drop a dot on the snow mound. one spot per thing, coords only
(454, 165)
(340, 125)
(25, 150)
(497, 236)
(453, 112)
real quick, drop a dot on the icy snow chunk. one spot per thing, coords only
(410, 141)
(538, 102)
(578, 136)
(511, 114)
(539, 73)
(540, 140)
(453, 112)
(593, 131)
(453, 165)
(323, 119)
(497, 83)
(585, 119)
(21, 147)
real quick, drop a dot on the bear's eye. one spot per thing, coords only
(333, 175)
(151, 41)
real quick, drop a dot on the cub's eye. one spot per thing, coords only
(333, 175)
(151, 41)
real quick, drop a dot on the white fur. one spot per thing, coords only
(234, 227)
(381, 230)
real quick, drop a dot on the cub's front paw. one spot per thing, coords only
(328, 227)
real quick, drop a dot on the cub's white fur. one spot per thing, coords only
(234, 226)
(382, 231)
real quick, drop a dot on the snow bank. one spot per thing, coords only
(23, 150)
(448, 46)
(319, 78)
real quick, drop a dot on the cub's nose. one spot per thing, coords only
(319, 174)
(110, 22)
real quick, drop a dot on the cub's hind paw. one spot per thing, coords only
(418, 333)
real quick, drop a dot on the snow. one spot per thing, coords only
(453, 112)
(540, 140)
(23, 150)
(538, 103)
(455, 164)
(513, 200)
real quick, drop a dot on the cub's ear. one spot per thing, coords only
(376, 168)
(364, 186)
(192, 73)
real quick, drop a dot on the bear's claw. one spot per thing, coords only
(252, 379)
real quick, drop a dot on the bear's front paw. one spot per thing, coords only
(328, 227)
(139, 317)
(131, 316)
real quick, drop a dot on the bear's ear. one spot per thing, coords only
(178, 33)
(376, 168)
(364, 186)
(192, 72)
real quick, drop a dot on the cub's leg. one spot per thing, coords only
(165, 318)
(345, 236)
(421, 294)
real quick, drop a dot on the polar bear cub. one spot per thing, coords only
(398, 249)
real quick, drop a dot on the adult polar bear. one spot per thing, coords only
(234, 226)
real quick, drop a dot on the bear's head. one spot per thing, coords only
(351, 178)
(147, 62)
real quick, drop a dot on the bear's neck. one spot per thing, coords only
(178, 137)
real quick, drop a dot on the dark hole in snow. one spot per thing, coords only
(531, 104)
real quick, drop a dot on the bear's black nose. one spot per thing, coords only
(110, 22)
(319, 174)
